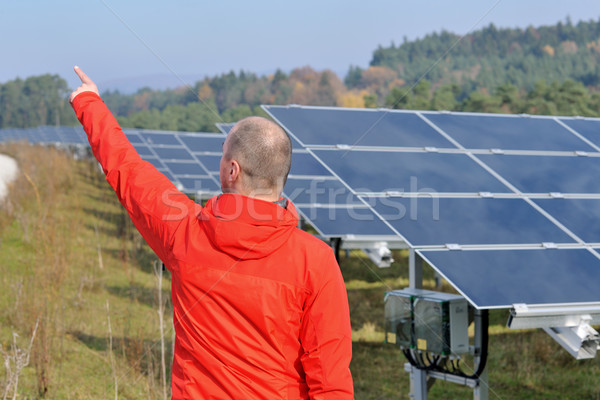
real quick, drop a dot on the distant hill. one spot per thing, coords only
(546, 70)
(491, 57)
(165, 81)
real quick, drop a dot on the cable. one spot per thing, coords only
(434, 364)
(410, 358)
(485, 322)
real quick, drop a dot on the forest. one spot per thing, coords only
(551, 70)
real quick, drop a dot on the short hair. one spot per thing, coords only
(263, 150)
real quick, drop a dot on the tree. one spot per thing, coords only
(353, 77)
(445, 98)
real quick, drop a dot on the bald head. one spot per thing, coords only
(263, 151)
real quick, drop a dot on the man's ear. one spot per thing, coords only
(235, 171)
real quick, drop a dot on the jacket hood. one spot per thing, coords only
(247, 228)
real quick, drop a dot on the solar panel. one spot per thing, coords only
(427, 221)
(225, 127)
(500, 205)
(202, 184)
(173, 153)
(589, 128)
(577, 215)
(144, 151)
(187, 159)
(383, 171)
(346, 221)
(319, 190)
(61, 135)
(339, 126)
(548, 174)
(211, 162)
(190, 168)
(499, 279)
(203, 144)
(133, 137)
(156, 162)
(508, 132)
(157, 138)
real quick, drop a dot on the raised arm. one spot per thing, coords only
(155, 206)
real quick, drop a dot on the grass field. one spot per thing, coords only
(72, 263)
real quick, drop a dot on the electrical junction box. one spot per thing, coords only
(398, 318)
(429, 321)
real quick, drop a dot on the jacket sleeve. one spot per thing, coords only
(155, 206)
(326, 336)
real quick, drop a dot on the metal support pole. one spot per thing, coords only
(481, 391)
(418, 384)
(415, 270)
(418, 377)
(336, 245)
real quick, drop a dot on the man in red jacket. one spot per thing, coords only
(260, 307)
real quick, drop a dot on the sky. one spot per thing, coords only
(126, 43)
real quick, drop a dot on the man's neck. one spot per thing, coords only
(265, 195)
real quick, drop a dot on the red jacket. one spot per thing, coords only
(260, 307)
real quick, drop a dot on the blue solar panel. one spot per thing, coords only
(211, 162)
(73, 135)
(588, 128)
(425, 221)
(499, 279)
(154, 161)
(577, 215)
(143, 151)
(370, 171)
(547, 174)
(46, 134)
(185, 168)
(329, 126)
(320, 191)
(167, 174)
(305, 164)
(155, 138)
(170, 153)
(201, 144)
(508, 132)
(225, 127)
(133, 137)
(200, 184)
(338, 222)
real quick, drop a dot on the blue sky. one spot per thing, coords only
(114, 41)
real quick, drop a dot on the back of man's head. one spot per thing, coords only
(264, 152)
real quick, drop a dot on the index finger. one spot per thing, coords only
(84, 78)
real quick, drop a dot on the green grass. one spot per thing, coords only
(50, 270)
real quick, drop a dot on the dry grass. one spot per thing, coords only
(59, 222)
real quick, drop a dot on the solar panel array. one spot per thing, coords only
(190, 160)
(45, 135)
(505, 207)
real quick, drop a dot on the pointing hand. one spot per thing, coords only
(87, 85)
